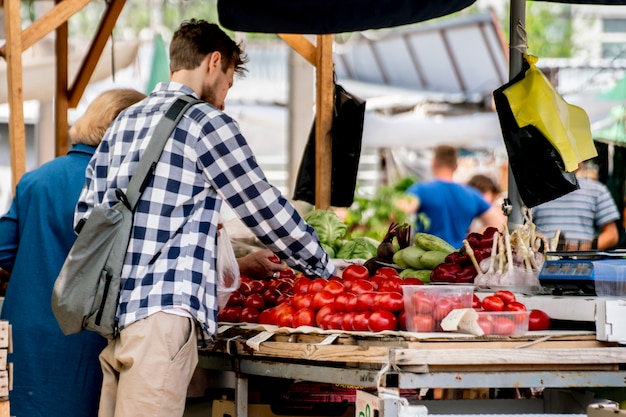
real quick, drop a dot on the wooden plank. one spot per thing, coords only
(608, 355)
(37, 30)
(13, 55)
(5, 335)
(4, 383)
(323, 121)
(301, 45)
(61, 98)
(107, 23)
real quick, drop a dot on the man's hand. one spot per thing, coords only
(261, 264)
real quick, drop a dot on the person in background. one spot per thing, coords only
(449, 206)
(587, 218)
(169, 274)
(491, 192)
(53, 375)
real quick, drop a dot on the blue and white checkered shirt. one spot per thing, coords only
(171, 259)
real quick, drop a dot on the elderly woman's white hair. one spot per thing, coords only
(90, 128)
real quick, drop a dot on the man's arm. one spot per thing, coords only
(493, 218)
(609, 236)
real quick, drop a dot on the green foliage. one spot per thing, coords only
(371, 215)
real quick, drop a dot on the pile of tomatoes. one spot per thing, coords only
(355, 301)
(503, 301)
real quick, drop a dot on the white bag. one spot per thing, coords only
(228, 277)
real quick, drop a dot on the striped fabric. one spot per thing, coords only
(578, 214)
(171, 260)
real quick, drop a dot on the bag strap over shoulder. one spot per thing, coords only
(148, 162)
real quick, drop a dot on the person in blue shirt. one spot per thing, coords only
(53, 375)
(450, 207)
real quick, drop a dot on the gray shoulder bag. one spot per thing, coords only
(86, 292)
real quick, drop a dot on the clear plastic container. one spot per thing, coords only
(610, 278)
(427, 305)
(503, 323)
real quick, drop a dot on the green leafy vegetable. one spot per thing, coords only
(358, 248)
(328, 226)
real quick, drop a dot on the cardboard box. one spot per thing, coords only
(605, 409)
(226, 408)
(610, 325)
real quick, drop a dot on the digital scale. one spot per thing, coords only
(576, 272)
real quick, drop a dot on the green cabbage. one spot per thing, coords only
(358, 248)
(328, 226)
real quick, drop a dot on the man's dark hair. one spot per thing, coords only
(195, 39)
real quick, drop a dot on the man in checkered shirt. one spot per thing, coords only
(169, 274)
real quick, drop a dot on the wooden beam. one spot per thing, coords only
(61, 97)
(301, 45)
(95, 51)
(323, 121)
(13, 54)
(46, 23)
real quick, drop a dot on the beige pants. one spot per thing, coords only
(148, 367)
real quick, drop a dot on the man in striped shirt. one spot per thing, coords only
(169, 274)
(587, 217)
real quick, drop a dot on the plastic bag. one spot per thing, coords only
(535, 102)
(347, 136)
(228, 277)
(537, 166)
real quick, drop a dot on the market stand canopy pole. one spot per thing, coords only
(291, 19)
(17, 41)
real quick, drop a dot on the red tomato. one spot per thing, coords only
(493, 303)
(257, 286)
(514, 306)
(377, 281)
(351, 304)
(271, 295)
(382, 320)
(360, 286)
(322, 298)
(284, 316)
(412, 281)
(323, 314)
(360, 323)
(422, 323)
(423, 302)
(282, 284)
(335, 321)
(249, 315)
(229, 314)
(299, 300)
(402, 320)
(236, 298)
(274, 259)
(389, 301)
(301, 284)
(341, 302)
(485, 323)
(365, 301)
(387, 271)
(284, 298)
(476, 303)
(267, 316)
(503, 326)
(287, 273)
(391, 284)
(442, 308)
(355, 271)
(304, 317)
(317, 285)
(346, 323)
(244, 288)
(538, 320)
(506, 296)
(334, 287)
(255, 300)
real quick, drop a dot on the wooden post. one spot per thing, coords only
(61, 99)
(13, 55)
(323, 121)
